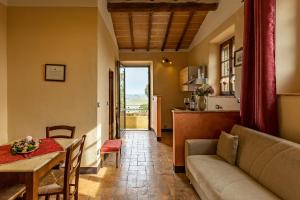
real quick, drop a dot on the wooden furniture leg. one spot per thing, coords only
(32, 186)
(117, 159)
(102, 160)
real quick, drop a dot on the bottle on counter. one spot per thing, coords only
(193, 102)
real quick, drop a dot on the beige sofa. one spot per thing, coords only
(267, 168)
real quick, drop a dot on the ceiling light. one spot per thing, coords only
(166, 61)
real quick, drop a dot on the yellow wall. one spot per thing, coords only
(40, 35)
(208, 50)
(287, 61)
(3, 75)
(288, 67)
(287, 46)
(107, 57)
(165, 78)
(289, 115)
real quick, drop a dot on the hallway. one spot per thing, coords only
(145, 173)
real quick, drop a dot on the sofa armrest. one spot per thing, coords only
(200, 147)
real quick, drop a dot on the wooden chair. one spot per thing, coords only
(12, 192)
(61, 127)
(111, 146)
(70, 175)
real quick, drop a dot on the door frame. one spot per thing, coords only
(148, 66)
(111, 104)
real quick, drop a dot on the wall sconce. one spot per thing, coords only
(167, 61)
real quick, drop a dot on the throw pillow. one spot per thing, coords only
(227, 147)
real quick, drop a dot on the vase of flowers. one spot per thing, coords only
(202, 92)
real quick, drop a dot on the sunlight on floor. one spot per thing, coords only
(145, 172)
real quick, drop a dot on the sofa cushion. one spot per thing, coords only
(220, 180)
(272, 161)
(227, 147)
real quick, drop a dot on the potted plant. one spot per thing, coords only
(202, 92)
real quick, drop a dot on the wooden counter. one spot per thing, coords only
(198, 125)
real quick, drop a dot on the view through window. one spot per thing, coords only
(227, 79)
(135, 94)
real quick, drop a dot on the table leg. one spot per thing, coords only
(32, 186)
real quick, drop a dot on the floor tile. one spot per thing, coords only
(145, 173)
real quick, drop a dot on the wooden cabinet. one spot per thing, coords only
(198, 125)
(156, 116)
(189, 75)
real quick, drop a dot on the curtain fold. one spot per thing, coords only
(258, 99)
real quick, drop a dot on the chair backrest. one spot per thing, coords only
(72, 167)
(61, 127)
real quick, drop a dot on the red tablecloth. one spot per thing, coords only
(47, 145)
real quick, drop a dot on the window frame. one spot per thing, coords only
(229, 42)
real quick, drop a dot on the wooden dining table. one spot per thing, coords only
(31, 170)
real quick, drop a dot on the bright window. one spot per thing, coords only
(227, 78)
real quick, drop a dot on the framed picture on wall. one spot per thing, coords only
(55, 72)
(238, 57)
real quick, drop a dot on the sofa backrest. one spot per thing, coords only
(272, 161)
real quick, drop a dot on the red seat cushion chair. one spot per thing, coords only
(111, 146)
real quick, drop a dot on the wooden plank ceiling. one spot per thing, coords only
(158, 25)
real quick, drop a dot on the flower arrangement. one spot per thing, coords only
(204, 90)
(26, 145)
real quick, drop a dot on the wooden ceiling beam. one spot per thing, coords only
(149, 30)
(131, 31)
(160, 7)
(167, 31)
(187, 24)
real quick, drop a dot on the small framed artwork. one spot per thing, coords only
(238, 57)
(55, 72)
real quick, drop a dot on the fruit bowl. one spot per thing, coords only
(25, 146)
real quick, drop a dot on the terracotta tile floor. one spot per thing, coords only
(145, 173)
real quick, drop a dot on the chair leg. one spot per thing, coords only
(117, 159)
(47, 197)
(76, 195)
(101, 157)
(57, 197)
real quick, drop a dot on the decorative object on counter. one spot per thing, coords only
(192, 105)
(202, 92)
(166, 61)
(186, 102)
(238, 57)
(201, 103)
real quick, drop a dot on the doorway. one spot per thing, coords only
(111, 105)
(134, 96)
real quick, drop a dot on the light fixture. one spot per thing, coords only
(166, 61)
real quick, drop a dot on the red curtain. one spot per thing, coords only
(258, 99)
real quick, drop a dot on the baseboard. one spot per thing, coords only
(166, 130)
(90, 170)
(179, 169)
